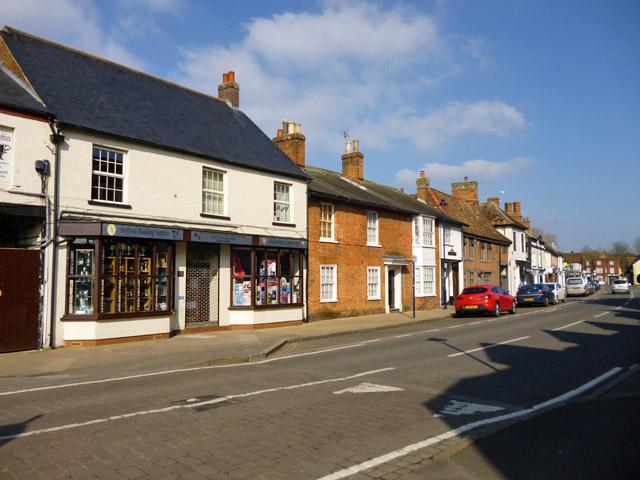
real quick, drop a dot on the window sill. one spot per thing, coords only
(329, 301)
(374, 245)
(284, 224)
(217, 217)
(327, 240)
(374, 298)
(109, 204)
(101, 317)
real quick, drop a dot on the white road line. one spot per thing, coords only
(190, 405)
(374, 462)
(182, 370)
(485, 348)
(600, 315)
(567, 326)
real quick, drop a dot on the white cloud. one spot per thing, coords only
(478, 170)
(352, 66)
(74, 23)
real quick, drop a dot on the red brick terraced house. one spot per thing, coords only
(485, 249)
(360, 237)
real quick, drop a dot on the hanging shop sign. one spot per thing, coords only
(6, 144)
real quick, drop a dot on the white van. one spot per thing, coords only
(577, 286)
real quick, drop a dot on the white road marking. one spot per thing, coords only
(455, 407)
(485, 348)
(567, 326)
(182, 370)
(374, 462)
(600, 315)
(190, 404)
(369, 388)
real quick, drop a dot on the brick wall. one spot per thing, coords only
(476, 265)
(352, 257)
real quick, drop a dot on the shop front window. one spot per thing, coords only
(133, 277)
(81, 276)
(273, 277)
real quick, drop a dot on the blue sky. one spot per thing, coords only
(536, 99)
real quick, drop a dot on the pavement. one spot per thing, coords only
(591, 438)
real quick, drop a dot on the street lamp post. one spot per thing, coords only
(443, 203)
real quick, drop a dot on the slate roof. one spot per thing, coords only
(477, 224)
(13, 95)
(332, 185)
(90, 93)
(500, 218)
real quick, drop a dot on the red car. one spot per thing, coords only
(485, 299)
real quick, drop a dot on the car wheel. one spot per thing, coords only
(546, 302)
(514, 308)
(496, 310)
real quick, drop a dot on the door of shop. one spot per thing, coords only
(202, 289)
(19, 299)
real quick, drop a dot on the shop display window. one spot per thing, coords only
(273, 275)
(133, 276)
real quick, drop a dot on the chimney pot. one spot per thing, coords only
(291, 141)
(466, 179)
(421, 173)
(232, 76)
(355, 145)
(402, 190)
(229, 90)
(347, 147)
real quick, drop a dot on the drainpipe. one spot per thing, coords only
(57, 139)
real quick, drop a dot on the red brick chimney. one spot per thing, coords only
(292, 142)
(467, 191)
(508, 207)
(494, 200)
(422, 186)
(516, 211)
(353, 164)
(229, 89)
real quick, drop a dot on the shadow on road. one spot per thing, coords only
(9, 432)
(578, 439)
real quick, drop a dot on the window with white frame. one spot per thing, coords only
(372, 228)
(487, 278)
(281, 202)
(447, 235)
(328, 284)
(212, 192)
(326, 221)
(611, 262)
(612, 270)
(472, 249)
(482, 248)
(515, 243)
(599, 270)
(522, 241)
(373, 283)
(488, 252)
(425, 281)
(598, 262)
(107, 176)
(423, 231)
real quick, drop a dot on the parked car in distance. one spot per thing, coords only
(491, 299)
(559, 292)
(577, 286)
(534, 293)
(620, 285)
(592, 287)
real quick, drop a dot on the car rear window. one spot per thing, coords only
(574, 281)
(531, 287)
(471, 291)
(618, 282)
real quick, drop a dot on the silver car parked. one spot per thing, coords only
(620, 285)
(577, 286)
(559, 292)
